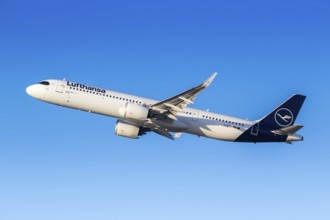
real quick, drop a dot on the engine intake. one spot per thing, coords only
(128, 130)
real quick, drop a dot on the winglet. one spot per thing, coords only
(209, 80)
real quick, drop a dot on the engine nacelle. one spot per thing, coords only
(125, 129)
(134, 111)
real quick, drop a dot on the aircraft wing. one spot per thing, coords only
(159, 130)
(170, 107)
(177, 103)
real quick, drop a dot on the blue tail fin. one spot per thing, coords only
(285, 115)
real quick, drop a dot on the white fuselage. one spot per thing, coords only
(110, 103)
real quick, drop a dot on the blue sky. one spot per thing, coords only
(57, 163)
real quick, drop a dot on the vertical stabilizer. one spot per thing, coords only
(285, 115)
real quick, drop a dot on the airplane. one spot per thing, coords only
(136, 116)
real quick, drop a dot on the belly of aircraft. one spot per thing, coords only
(219, 132)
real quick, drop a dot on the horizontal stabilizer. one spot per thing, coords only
(288, 130)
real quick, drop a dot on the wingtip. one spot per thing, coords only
(213, 75)
(209, 80)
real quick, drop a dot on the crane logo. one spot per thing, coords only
(284, 117)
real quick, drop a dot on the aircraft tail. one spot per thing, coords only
(285, 115)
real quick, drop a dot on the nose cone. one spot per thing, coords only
(34, 91)
(29, 90)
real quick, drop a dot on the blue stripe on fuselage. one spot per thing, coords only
(263, 135)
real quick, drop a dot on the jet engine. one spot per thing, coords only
(134, 111)
(128, 130)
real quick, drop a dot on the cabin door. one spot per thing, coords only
(195, 116)
(60, 87)
(255, 129)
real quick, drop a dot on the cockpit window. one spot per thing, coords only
(46, 83)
